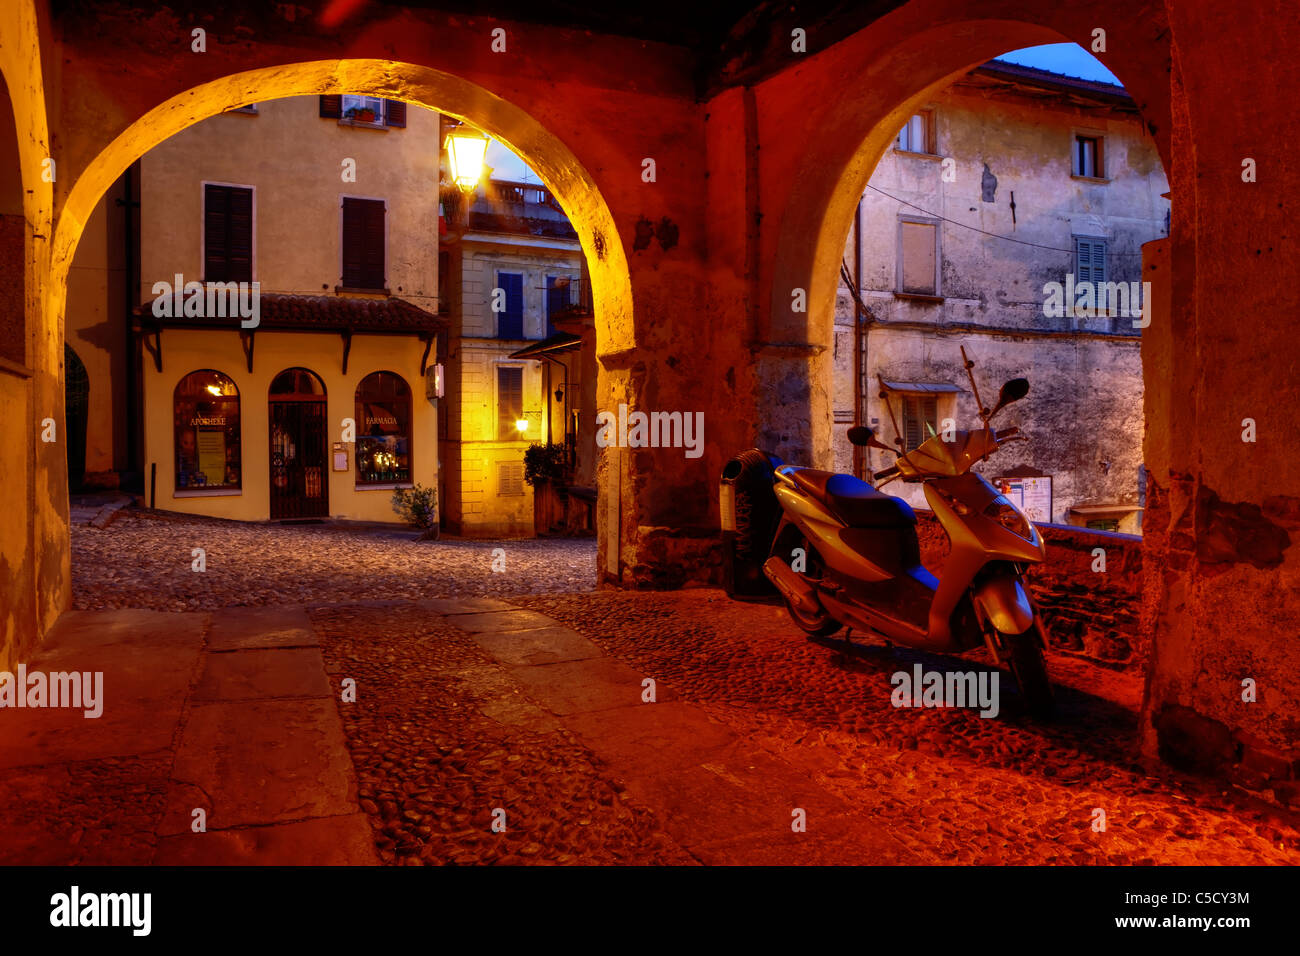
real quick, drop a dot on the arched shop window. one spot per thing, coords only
(206, 422)
(383, 429)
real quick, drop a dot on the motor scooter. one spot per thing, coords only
(847, 554)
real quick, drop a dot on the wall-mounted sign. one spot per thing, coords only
(340, 456)
(1032, 495)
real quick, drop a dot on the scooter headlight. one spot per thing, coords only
(1010, 517)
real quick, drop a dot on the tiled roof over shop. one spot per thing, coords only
(326, 313)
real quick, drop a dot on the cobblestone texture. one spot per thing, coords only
(144, 560)
(431, 767)
(951, 785)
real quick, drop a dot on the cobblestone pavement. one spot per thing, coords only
(432, 765)
(144, 560)
(535, 706)
(952, 786)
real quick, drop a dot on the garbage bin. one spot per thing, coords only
(750, 514)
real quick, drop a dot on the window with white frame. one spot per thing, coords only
(1089, 156)
(917, 134)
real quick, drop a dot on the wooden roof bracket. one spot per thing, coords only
(347, 347)
(246, 340)
(427, 338)
(154, 349)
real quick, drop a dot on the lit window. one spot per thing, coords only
(383, 418)
(206, 423)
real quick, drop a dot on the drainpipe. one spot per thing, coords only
(859, 344)
(130, 288)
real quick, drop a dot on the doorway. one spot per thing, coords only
(77, 398)
(296, 424)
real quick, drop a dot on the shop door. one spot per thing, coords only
(299, 476)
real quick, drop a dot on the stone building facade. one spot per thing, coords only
(1009, 180)
(514, 264)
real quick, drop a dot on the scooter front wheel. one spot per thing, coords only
(1030, 670)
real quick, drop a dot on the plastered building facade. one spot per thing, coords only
(978, 206)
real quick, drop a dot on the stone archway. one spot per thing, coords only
(461, 99)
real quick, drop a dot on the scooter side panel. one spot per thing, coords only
(824, 532)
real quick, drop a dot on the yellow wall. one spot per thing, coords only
(96, 329)
(475, 505)
(294, 161)
(186, 351)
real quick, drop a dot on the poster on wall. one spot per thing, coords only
(1032, 495)
(212, 455)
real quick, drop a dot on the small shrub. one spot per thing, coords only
(418, 506)
(544, 463)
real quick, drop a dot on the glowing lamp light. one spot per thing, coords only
(522, 425)
(466, 148)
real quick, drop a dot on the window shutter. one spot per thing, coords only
(510, 400)
(215, 216)
(240, 250)
(227, 234)
(395, 113)
(363, 243)
(510, 478)
(331, 107)
(510, 323)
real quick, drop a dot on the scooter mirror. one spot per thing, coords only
(863, 436)
(1012, 391)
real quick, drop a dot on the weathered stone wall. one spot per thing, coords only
(1089, 612)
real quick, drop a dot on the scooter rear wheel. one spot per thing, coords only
(1030, 671)
(820, 624)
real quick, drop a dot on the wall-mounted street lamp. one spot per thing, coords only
(466, 148)
(521, 424)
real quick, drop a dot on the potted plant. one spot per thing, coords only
(418, 506)
(361, 114)
(545, 471)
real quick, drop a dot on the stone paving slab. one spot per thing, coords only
(242, 628)
(465, 605)
(829, 841)
(273, 672)
(323, 841)
(260, 762)
(492, 621)
(148, 660)
(543, 645)
(633, 732)
(576, 687)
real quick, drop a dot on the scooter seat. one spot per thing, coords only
(854, 501)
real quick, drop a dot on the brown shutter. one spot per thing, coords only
(331, 107)
(215, 215)
(240, 248)
(395, 113)
(227, 234)
(363, 243)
